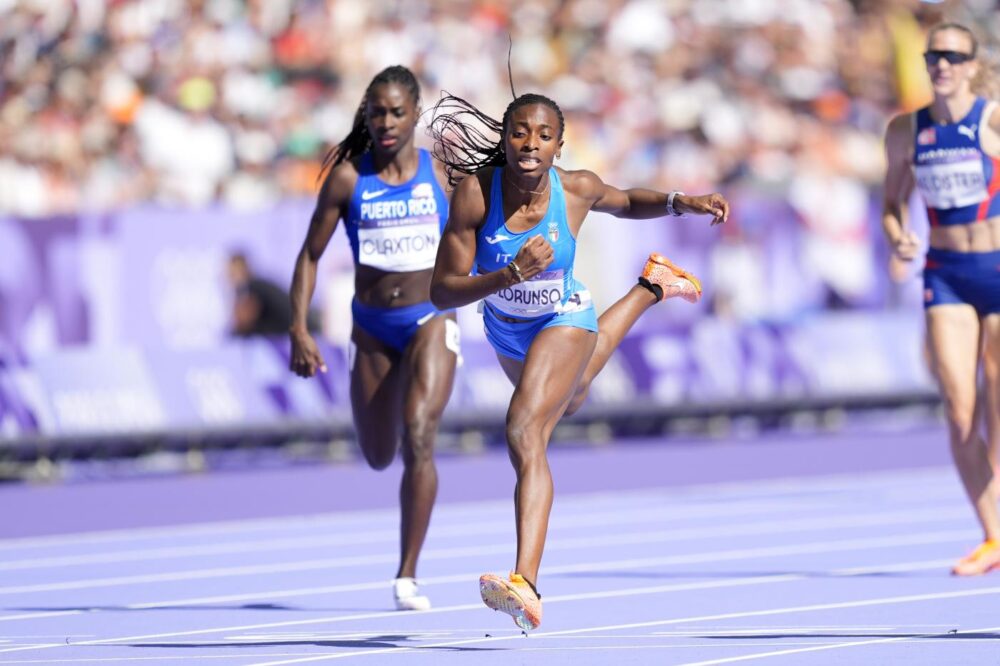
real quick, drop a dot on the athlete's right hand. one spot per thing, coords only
(534, 256)
(306, 359)
(907, 246)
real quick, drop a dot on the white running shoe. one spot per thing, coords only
(407, 595)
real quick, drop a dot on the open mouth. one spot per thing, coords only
(528, 163)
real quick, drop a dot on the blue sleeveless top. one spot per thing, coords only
(959, 182)
(396, 228)
(554, 290)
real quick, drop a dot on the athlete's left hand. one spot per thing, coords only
(706, 204)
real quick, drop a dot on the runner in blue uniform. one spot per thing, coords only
(513, 225)
(392, 198)
(949, 151)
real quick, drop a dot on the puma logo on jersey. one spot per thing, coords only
(968, 131)
(366, 195)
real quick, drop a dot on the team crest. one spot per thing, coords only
(926, 136)
(422, 191)
(553, 232)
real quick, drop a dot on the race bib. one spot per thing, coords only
(952, 184)
(399, 246)
(538, 296)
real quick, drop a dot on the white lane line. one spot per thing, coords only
(598, 540)
(626, 592)
(632, 563)
(837, 646)
(703, 618)
(161, 658)
(352, 538)
(923, 478)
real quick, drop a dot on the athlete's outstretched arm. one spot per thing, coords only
(451, 285)
(643, 204)
(898, 186)
(333, 195)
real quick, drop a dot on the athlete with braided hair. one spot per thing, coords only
(513, 225)
(392, 198)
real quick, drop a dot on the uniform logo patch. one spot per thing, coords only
(928, 295)
(926, 136)
(422, 191)
(553, 232)
(970, 132)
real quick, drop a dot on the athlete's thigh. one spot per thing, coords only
(551, 371)
(375, 392)
(953, 335)
(429, 364)
(511, 367)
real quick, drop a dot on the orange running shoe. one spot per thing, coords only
(985, 558)
(672, 280)
(514, 596)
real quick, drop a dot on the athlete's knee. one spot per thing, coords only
(961, 424)
(377, 455)
(525, 442)
(576, 402)
(418, 440)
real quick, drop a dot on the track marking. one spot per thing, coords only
(703, 618)
(628, 538)
(750, 489)
(627, 592)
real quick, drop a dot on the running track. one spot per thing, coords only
(780, 549)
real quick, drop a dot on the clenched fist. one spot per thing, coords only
(534, 257)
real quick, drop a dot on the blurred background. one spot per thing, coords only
(158, 155)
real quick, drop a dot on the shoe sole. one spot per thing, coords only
(501, 597)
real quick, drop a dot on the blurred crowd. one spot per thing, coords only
(105, 103)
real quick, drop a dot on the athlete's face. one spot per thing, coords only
(949, 61)
(533, 141)
(391, 115)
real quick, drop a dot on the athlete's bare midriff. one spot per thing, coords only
(980, 236)
(381, 289)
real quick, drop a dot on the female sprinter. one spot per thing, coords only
(949, 150)
(403, 350)
(513, 225)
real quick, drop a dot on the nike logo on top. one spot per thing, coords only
(493, 240)
(366, 195)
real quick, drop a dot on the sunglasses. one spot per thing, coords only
(953, 57)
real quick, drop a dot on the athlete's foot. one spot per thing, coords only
(985, 558)
(514, 596)
(666, 280)
(407, 595)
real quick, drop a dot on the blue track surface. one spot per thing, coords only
(826, 565)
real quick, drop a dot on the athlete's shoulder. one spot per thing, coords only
(339, 183)
(469, 200)
(899, 132)
(581, 182)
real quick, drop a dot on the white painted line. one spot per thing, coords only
(838, 646)
(704, 618)
(923, 478)
(712, 584)
(480, 525)
(596, 541)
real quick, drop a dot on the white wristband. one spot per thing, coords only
(670, 204)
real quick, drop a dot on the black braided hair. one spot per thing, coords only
(359, 141)
(466, 139)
